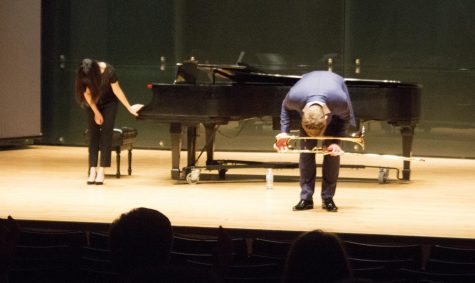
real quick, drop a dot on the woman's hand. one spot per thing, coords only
(98, 118)
(123, 99)
(135, 108)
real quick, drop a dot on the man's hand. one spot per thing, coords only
(281, 142)
(334, 150)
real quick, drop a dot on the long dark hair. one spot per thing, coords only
(88, 75)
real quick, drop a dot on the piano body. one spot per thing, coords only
(213, 95)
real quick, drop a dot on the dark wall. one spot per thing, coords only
(430, 42)
(300, 34)
(424, 41)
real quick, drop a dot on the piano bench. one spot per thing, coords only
(123, 138)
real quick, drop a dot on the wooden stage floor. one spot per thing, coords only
(48, 183)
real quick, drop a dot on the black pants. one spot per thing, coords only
(330, 166)
(100, 136)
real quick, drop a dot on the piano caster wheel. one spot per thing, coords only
(193, 177)
(222, 173)
(383, 175)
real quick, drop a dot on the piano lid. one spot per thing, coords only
(190, 72)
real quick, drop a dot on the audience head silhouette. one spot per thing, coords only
(8, 237)
(140, 238)
(317, 256)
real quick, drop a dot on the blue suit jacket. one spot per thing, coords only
(318, 86)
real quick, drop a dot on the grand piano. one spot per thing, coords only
(213, 95)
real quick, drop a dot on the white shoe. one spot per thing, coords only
(99, 177)
(91, 180)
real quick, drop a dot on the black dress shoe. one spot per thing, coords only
(329, 205)
(303, 205)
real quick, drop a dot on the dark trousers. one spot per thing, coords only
(100, 136)
(330, 166)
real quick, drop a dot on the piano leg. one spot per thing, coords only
(191, 145)
(407, 133)
(210, 130)
(175, 135)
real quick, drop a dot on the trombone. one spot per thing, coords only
(357, 138)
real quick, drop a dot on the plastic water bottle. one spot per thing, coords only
(269, 179)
